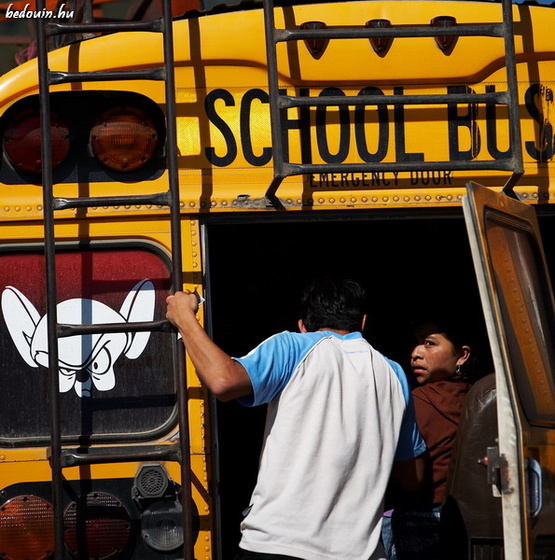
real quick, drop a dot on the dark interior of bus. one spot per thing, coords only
(411, 268)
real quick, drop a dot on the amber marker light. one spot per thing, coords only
(380, 44)
(124, 138)
(26, 529)
(444, 42)
(22, 141)
(316, 47)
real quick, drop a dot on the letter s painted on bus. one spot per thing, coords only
(545, 133)
(222, 126)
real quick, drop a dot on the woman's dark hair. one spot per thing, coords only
(450, 329)
(333, 303)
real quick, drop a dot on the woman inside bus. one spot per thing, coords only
(437, 362)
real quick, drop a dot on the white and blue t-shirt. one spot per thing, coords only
(339, 414)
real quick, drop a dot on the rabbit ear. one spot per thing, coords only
(21, 319)
(137, 307)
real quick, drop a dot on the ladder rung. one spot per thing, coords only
(499, 97)
(64, 330)
(55, 78)
(100, 27)
(71, 458)
(158, 199)
(289, 169)
(360, 32)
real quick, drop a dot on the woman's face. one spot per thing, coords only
(435, 358)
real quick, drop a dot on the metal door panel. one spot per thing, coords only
(520, 315)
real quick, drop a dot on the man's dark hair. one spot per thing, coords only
(333, 303)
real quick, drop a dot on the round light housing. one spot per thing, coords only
(22, 141)
(26, 529)
(162, 525)
(124, 138)
(97, 526)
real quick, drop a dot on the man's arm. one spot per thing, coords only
(225, 377)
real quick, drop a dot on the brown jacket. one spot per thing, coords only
(438, 410)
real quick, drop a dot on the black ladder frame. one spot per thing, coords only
(280, 102)
(60, 458)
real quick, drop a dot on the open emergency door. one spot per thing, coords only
(520, 315)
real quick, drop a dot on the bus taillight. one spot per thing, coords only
(22, 141)
(124, 138)
(97, 526)
(26, 529)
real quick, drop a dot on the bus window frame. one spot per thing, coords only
(163, 430)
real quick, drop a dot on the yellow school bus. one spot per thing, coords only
(240, 149)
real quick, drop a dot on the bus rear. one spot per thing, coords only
(239, 152)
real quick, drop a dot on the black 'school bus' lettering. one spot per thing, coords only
(302, 124)
(383, 134)
(246, 140)
(344, 130)
(222, 126)
(399, 118)
(491, 129)
(545, 134)
(457, 121)
(542, 149)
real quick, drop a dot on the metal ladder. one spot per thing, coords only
(279, 102)
(180, 451)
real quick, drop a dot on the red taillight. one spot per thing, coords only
(444, 42)
(22, 141)
(124, 138)
(26, 529)
(97, 526)
(316, 47)
(380, 44)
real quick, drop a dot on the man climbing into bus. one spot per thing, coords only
(340, 414)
